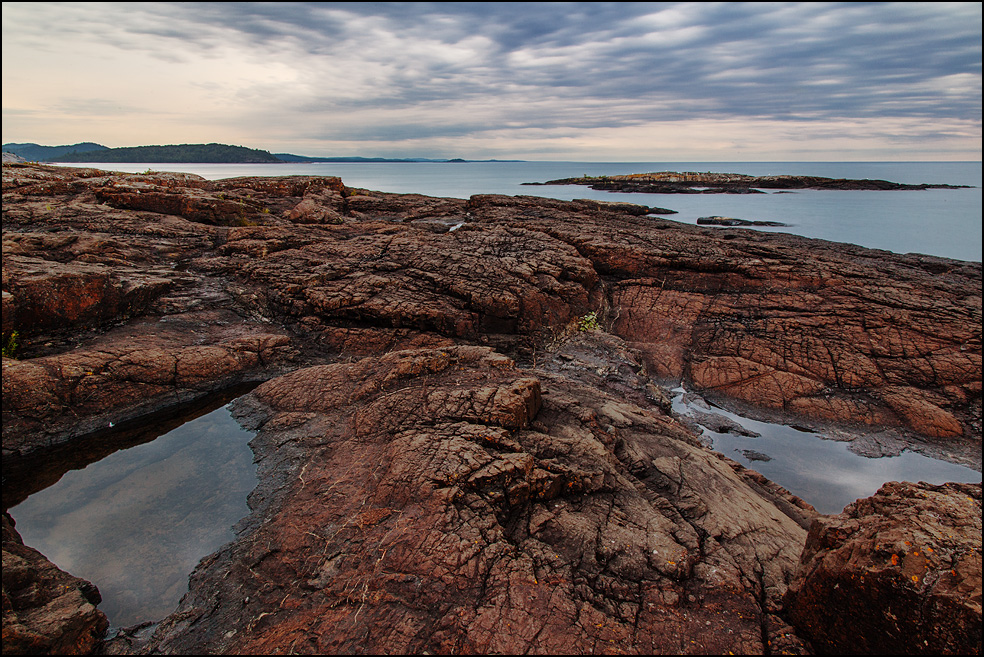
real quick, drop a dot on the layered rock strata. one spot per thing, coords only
(449, 464)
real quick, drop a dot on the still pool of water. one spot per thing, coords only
(136, 522)
(824, 472)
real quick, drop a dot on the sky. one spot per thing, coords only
(581, 81)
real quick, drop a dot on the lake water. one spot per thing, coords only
(136, 522)
(940, 222)
(824, 472)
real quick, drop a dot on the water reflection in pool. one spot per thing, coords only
(825, 473)
(137, 522)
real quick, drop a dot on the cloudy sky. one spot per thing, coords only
(607, 81)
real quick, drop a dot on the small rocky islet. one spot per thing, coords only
(463, 440)
(693, 182)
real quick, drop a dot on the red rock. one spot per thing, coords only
(46, 610)
(442, 500)
(50, 399)
(895, 573)
(818, 330)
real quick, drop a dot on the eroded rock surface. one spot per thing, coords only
(796, 326)
(877, 575)
(419, 489)
(45, 609)
(445, 501)
(803, 327)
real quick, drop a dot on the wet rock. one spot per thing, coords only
(895, 573)
(731, 221)
(46, 610)
(720, 424)
(752, 455)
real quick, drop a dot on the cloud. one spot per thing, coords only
(332, 75)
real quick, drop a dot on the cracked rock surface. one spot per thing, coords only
(790, 326)
(45, 609)
(452, 457)
(446, 501)
(906, 558)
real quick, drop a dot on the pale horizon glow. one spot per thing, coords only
(589, 82)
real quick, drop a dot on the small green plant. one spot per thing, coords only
(10, 344)
(554, 337)
(589, 322)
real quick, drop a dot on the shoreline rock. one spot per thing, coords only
(483, 511)
(446, 461)
(45, 609)
(907, 558)
(731, 221)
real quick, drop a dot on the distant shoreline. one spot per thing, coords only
(92, 153)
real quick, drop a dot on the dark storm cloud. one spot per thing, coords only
(774, 60)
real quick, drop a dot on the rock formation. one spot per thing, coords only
(692, 182)
(731, 221)
(443, 500)
(448, 462)
(875, 576)
(45, 610)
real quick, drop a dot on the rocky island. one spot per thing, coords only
(692, 182)
(463, 440)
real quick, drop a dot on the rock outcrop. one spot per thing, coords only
(784, 323)
(792, 325)
(445, 501)
(448, 462)
(124, 374)
(45, 610)
(877, 575)
(731, 221)
(692, 182)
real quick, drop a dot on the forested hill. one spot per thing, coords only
(36, 153)
(177, 153)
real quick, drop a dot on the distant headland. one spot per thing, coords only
(186, 153)
(691, 182)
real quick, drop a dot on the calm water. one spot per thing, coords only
(137, 522)
(936, 222)
(825, 473)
